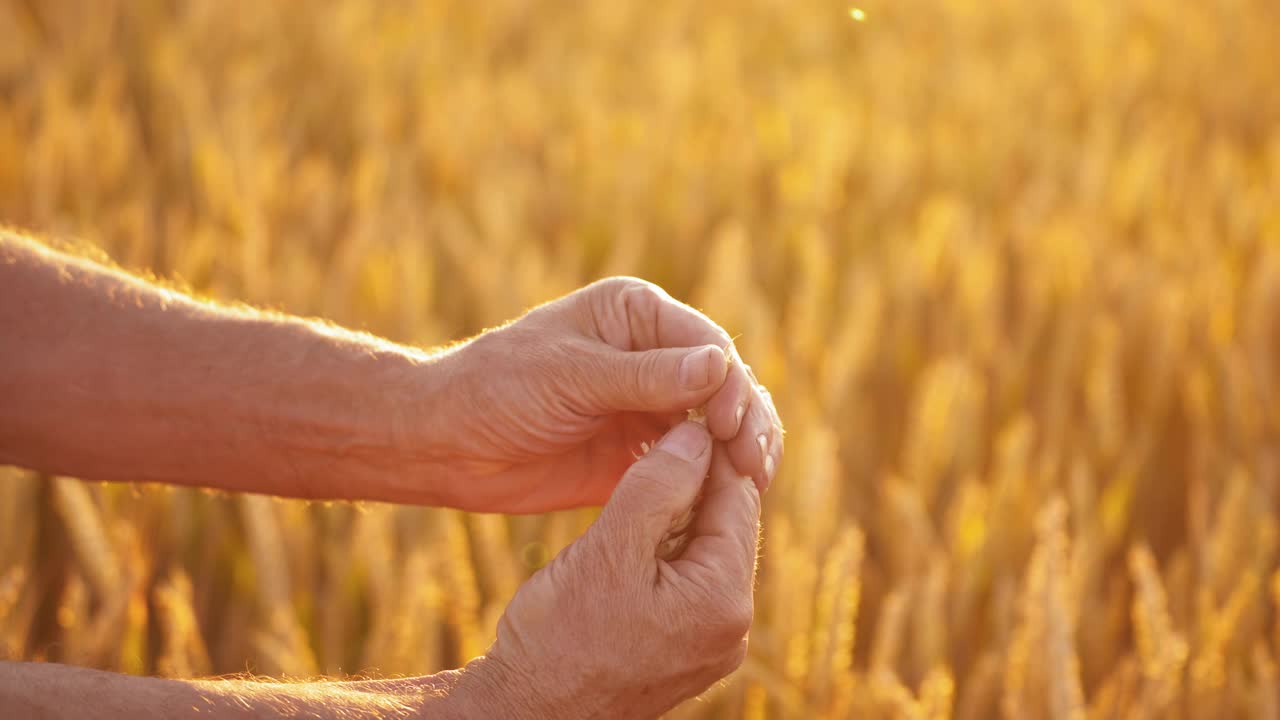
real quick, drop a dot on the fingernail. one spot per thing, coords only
(770, 466)
(738, 414)
(686, 441)
(771, 460)
(695, 368)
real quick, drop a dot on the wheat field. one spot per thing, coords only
(1011, 270)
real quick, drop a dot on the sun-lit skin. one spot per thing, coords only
(122, 380)
(607, 629)
(118, 379)
(551, 409)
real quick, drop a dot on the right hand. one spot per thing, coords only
(608, 629)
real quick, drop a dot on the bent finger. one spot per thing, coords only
(726, 530)
(756, 448)
(634, 314)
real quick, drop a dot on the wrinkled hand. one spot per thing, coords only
(607, 629)
(549, 411)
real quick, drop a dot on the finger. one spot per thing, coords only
(659, 381)
(773, 408)
(727, 408)
(778, 437)
(727, 527)
(763, 393)
(655, 491)
(756, 449)
(634, 314)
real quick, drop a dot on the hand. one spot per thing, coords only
(548, 412)
(609, 630)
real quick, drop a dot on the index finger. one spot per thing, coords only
(633, 314)
(726, 531)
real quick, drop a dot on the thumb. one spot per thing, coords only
(663, 380)
(656, 491)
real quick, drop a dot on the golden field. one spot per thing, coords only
(1011, 270)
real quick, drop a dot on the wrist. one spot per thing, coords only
(357, 417)
(437, 420)
(422, 421)
(410, 409)
(489, 687)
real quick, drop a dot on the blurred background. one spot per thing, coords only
(1010, 267)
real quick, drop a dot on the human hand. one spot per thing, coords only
(608, 629)
(548, 412)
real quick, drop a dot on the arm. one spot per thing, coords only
(53, 692)
(109, 378)
(607, 629)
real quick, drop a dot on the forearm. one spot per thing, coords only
(53, 692)
(107, 377)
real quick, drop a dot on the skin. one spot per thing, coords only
(108, 377)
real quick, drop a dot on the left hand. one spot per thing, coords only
(548, 412)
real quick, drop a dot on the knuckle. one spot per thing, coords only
(642, 299)
(635, 284)
(632, 289)
(615, 283)
(738, 621)
(733, 659)
(623, 307)
(731, 623)
(771, 405)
